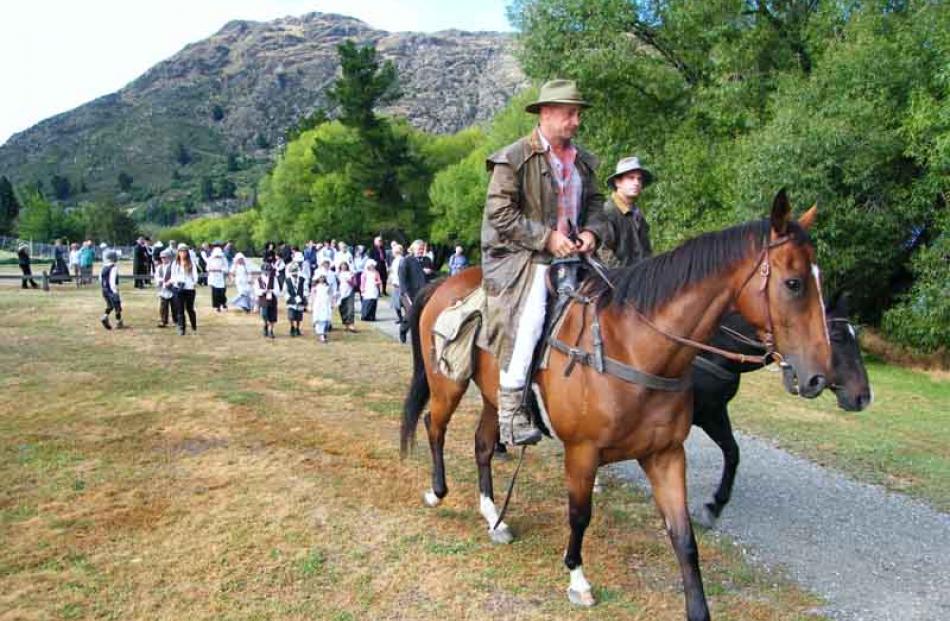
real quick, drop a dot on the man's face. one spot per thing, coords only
(629, 184)
(560, 122)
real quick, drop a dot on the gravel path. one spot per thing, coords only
(871, 554)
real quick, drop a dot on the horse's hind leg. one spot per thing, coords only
(485, 438)
(442, 405)
(667, 474)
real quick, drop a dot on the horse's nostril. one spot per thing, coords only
(817, 381)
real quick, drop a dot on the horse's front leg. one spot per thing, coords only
(720, 431)
(667, 473)
(580, 463)
(485, 438)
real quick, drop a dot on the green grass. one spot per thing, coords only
(902, 441)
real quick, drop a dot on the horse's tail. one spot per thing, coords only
(418, 395)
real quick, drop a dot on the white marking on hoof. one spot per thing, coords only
(431, 499)
(579, 593)
(501, 535)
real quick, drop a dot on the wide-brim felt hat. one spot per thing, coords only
(630, 164)
(558, 92)
(167, 253)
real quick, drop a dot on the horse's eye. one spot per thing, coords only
(794, 285)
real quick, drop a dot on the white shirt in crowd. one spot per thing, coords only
(184, 278)
(217, 270)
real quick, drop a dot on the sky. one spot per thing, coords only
(58, 54)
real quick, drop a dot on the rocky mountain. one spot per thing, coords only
(215, 112)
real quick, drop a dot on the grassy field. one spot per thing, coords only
(902, 441)
(222, 476)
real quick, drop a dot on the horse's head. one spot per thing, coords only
(791, 304)
(849, 378)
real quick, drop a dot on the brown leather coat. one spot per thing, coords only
(520, 213)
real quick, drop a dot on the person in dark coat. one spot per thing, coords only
(378, 253)
(412, 279)
(59, 270)
(627, 237)
(140, 262)
(23, 260)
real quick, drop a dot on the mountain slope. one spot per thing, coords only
(236, 93)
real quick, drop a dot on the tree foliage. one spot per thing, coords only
(845, 103)
(42, 220)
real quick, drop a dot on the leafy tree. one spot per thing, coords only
(261, 141)
(42, 220)
(125, 181)
(233, 164)
(844, 103)
(107, 221)
(217, 112)
(9, 206)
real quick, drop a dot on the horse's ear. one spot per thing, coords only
(781, 211)
(807, 219)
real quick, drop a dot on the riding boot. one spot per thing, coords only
(514, 423)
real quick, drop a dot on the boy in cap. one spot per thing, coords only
(109, 282)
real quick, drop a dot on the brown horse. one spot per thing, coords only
(601, 418)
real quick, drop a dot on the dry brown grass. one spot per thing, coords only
(270, 487)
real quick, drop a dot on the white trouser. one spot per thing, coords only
(530, 325)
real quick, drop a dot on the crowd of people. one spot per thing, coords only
(320, 278)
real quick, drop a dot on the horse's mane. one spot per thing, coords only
(655, 281)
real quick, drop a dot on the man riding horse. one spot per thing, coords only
(541, 187)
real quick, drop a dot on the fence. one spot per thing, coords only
(40, 251)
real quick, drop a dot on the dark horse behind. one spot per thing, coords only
(716, 381)
(765, 270)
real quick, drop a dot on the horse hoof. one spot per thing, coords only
(431, 499)
(501, 535)
(581, 598)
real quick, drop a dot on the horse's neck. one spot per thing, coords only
(694, 313)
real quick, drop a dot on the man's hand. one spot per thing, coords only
(559, 245)
(586, 242)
